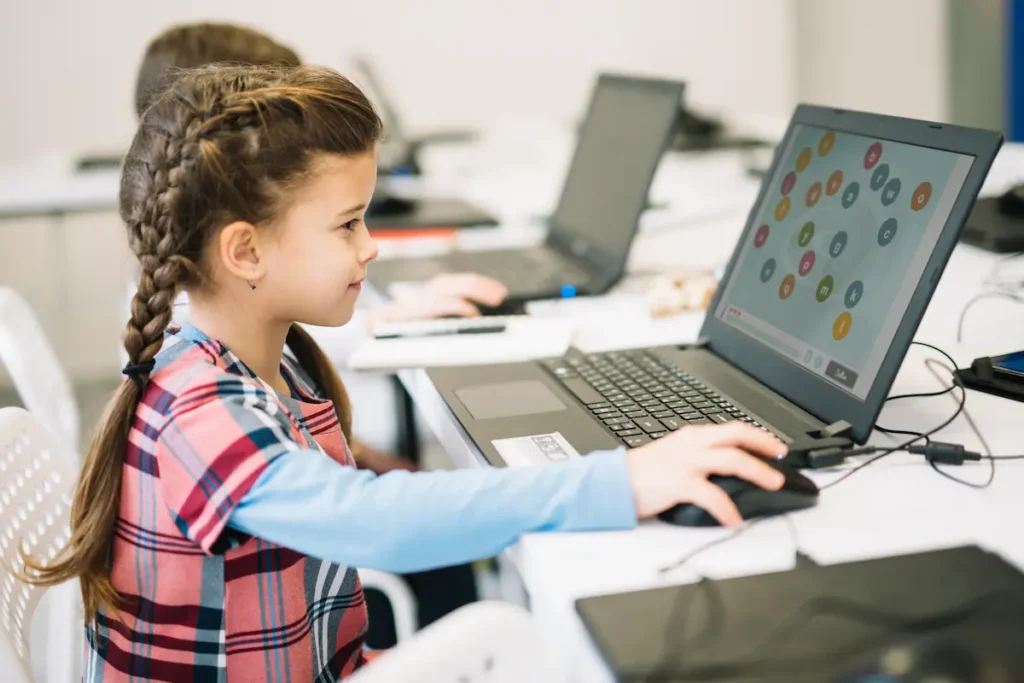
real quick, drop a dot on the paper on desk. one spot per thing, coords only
(523, 339)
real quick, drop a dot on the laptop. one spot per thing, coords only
(398, 155)
(944, 615)
(626, 129)
(820, 300)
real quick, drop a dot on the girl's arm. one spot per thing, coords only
(230, 460)
(404, 522)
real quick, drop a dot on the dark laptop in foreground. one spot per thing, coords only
(626, 130)
(821, 298)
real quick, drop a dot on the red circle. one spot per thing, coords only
(873, 154)
(788, 183)
(806, 263)
(761, 236)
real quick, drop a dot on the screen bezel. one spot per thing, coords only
(571, 240)
(814, 394)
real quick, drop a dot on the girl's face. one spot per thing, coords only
(315, 258)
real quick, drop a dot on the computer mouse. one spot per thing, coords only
(797, 493)
(1011, 202)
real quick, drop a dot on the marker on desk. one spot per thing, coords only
(488, 329)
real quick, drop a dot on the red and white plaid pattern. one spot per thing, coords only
(203, 602)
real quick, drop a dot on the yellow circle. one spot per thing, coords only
(803, 159)
(782, 209)
(825, 146)
(841, 327)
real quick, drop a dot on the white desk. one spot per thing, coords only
(897, 505)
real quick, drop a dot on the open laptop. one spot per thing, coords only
(627, 128)
(820, 300)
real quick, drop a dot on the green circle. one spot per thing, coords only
(806, 234)
(825, 288)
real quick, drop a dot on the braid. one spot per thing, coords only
(153, 238)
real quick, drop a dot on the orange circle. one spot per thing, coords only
(825, 146)
(803, 159)
(841, 327)
(787, 287)
(921, 195)
(813, 194)
(835, 181)
(782, 209)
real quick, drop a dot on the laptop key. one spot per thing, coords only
(633, 414)
(662, 414)
(700, 421)
(711, 411)
(583, 391)
(597, 406)
(689, 414)
(676, 405)
(719, 418)
(623, 427)
(625, 404)
(628, 432)
(600, 410)
(636, 441)
(649, 424)
(700, 405)
(615, 421)
(657, 435)
(673, 423)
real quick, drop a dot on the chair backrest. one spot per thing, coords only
(36, 480)
(32, 364)
(486, 642)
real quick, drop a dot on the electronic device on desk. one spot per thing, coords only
(389, 212)
(813, 317)
(823, 623)
(699, 133)
(997, 375)
(625, 133)
(399, 153)
(997, 223)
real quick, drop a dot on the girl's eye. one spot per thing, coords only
(351, 225)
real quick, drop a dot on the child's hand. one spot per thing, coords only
(675, 468)
(378, 462)
(450, 295)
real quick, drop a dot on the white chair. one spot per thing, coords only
(37, 474)
(38, 376)
(486, 642)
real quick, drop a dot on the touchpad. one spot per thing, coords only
(508, 399)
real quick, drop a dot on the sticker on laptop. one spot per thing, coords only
(540, 449)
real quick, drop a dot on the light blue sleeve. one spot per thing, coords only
(413, 521)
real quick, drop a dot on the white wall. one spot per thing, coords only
(69, 66)
(888, 56)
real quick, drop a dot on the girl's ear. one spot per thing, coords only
(238, 250)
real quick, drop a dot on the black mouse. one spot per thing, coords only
(797, 493)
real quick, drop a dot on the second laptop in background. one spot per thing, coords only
(627, 128)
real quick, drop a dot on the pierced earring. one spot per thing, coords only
(252, 285)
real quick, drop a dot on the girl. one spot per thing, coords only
(218, 516)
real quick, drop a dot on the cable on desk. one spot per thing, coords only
(999, 294)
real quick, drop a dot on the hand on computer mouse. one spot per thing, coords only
(675, 468)
(444, 296)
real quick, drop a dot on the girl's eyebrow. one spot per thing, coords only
(354, 209)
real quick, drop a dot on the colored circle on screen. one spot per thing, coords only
(887, 232)
(806, 234)
(850, 194)
(788, 183)
(825, 288)
(853, 293)
(872, 156)
(921, 196)
(782, 210)
(835, 181)
(761, 236)
(806, 263)
(803, 159)
(813, 194)
(841, 327)
(787, 286)
(767, 270)
(879, 176)
(827, 141)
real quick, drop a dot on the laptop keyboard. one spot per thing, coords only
(639, 397)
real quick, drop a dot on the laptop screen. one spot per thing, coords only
(843, 237)
(620, 145)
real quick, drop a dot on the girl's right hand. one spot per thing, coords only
(675, 468)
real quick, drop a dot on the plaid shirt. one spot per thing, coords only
(204, 602)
